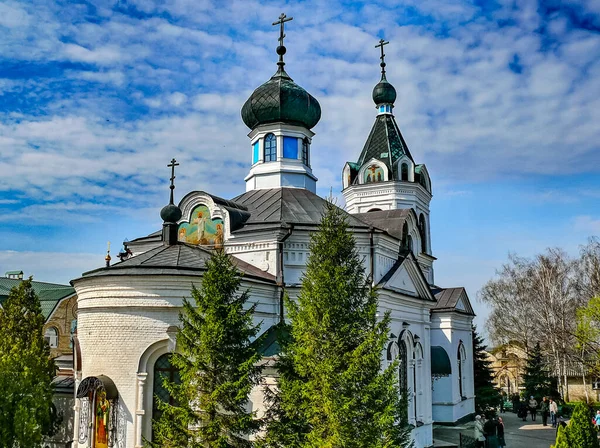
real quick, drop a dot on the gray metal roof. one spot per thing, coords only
(287, 206)
(447, 299)
(391, 221)
(178, 259)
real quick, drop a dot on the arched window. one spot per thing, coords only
(461, 358)
(404, 172)
(305, 152)
(423, 181)
(270, 148)
(163, 369)
(410, 243)
(404, 243)
(402, 367)
(423, 233)
(51, 337)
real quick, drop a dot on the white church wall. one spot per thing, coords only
(120, 318)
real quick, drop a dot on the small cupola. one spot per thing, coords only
(170, 213)
(384, 94)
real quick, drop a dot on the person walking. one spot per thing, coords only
(500, 431)
(522, 411)
(533, 407)
(553, 412)
(597, 420)
(545, 410)
(478, 429)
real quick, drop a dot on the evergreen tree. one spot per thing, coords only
(332, 391)
(562, 438)
(487, 396)
(536, 379)
(26, 371)
(217, 366)
(582, 433)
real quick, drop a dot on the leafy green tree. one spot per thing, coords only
(487, 396)
(582, 433)
(562, 438)
(332, 391)
(217, 366)
(537, 379)
(26, 371)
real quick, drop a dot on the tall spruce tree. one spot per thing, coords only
(536, 379)
(487, 396)
(217, 366)
(582, 433)
(26, 371)
(332, 391)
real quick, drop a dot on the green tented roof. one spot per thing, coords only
(49, 293)
(440, 362)
(270, 340)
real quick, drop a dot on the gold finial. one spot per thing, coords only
(107, 258)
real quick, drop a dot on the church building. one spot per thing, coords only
(128, 311)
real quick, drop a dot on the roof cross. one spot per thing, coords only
(282, 19)
(281, 49)
(382, 57)
(172, 165)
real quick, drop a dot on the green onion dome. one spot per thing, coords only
(384, 92)
(280, 99)
(170, 213)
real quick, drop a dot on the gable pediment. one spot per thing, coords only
(405, 277)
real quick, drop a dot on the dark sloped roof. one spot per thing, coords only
(447, 299)
(287, 206)
(385, 143)
(402, 258)
(178, 259)
(49, 293)
(391, 221)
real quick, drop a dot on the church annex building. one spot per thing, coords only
(128, 312)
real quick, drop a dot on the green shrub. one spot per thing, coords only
(582, 433)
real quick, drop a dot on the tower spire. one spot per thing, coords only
(382, 57)
(172, 165)
(281, 48)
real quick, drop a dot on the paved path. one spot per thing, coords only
(517, 433)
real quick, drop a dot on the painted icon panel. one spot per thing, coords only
(101, 421)
(201, 229)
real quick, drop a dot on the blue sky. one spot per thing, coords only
(501, 100)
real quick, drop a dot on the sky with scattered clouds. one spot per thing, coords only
(501, 100)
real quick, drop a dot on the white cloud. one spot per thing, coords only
(587, 223)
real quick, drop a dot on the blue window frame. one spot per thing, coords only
(290, 148)
(270, 148)
(255, 153)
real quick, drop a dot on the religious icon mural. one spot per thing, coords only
(201, 229)
(374, 173)
(102, 413)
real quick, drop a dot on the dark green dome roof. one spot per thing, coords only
(384, 92)
(170, 213)
(280, 99)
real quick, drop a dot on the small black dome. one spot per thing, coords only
(170, 213)
(280, 99)
(384, 92)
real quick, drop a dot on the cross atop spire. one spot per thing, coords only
(172, 165)
(281, 49)
(382, 57)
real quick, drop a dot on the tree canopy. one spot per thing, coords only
(217, 364)
(26, 371)
(332, 389)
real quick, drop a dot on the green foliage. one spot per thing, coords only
(332, 391)
(588, 335)
(582, 433)
(217, 366)
(562, 438)
(26, 371)
(487, 396)
(536, 379)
